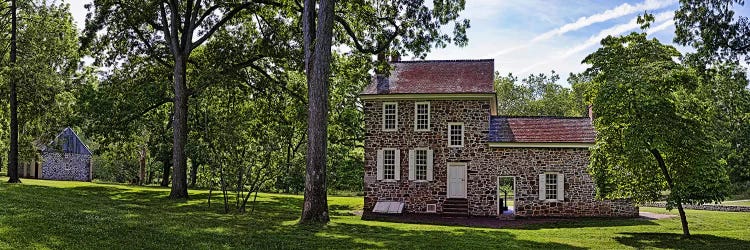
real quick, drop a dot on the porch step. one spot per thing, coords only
(456, 207)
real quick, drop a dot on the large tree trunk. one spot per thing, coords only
(13, 157)
(670, 184)
(180, 129)
(315, 208)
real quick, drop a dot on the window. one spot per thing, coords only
(455, 134)
(550, 184)
(389, 164)
(420, 164)
(390, 116)
(422, 116)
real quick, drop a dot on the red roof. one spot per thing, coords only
(435, 77)
(541, 129)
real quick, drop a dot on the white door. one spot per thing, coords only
(456, 180)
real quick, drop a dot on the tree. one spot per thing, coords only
(371, 28)
(727, 100)
(13, 154)
(721, 40)
(651, 137)
(711, 27)
(43, 61)
(537, 94)
(168, 32)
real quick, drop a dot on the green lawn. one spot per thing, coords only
(76, 215)
(737, 203)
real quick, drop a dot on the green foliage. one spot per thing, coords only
(55, 214)
(45, 73)
(727, 100)
(721, 39)
(711, 27)
(537, 95)
(647, 108)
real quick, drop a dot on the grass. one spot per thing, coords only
(737, 203)
(79, 215)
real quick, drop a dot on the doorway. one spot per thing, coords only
(456, 180)
(506, 195)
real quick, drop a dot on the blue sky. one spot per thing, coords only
(534, 36)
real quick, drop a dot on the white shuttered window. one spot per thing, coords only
(388, 164)
(552, 187)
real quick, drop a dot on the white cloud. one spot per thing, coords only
(664, 18)
(619, 11)
(662, 26)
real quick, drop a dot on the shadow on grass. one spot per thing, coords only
(101, 217)
(676, 241)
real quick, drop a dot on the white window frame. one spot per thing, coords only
(547, 185)
(416, 165)
(429, 161)
(463, 130)
(416, 105)
(395, 164)
(395, 122)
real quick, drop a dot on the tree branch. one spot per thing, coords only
(150, 47)
(228, 16)
(357, 44)
(148, 109)
(167, 33)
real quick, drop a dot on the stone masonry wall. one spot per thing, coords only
(66, 166)
(484, 165)
(473, 113)
(526, 164)
(711, 207)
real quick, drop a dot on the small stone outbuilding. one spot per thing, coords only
(65, 158)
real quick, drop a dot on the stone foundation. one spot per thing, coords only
(711, 207)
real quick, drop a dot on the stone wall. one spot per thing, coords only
(473, 113)
(526, 164)
(711, 207)
(484, 165)
(66, 166)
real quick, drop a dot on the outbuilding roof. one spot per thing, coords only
(67, 142)
(435, 77)
(541, 129)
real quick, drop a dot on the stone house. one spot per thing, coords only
(434, 143)
(65, 158)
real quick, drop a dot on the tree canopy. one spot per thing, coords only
(652, 135)
(44, 72)
(712, 28)
(539, 95)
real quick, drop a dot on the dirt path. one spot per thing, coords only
(655, 216)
